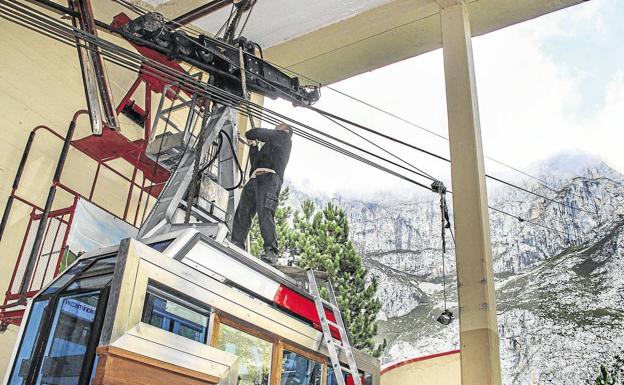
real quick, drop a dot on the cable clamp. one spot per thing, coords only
(438, 187)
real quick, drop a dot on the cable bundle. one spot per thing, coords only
(35, 20)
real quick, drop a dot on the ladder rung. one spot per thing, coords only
(333, 346)
(329, 304)
(330, 323)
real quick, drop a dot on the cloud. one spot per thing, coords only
(526, 100)
(606, 136)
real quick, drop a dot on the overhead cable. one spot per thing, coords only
(422, 173)
(416, 125)
(524, 220)
(329, 115)
(231, 100)
(140, 10)
(234, 99)
(393, 139)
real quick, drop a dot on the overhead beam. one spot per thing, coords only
(394, 31)
(478, 330)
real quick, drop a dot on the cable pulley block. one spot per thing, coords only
(215, 56)
(438, 187)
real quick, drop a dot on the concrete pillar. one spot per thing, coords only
(480, 361)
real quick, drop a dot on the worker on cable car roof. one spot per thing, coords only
(261, 193)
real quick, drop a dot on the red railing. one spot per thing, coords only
(53, 244)
(109, 146)
(49, 259)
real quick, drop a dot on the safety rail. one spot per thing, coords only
(33, 271)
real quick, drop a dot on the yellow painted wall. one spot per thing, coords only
(442, 370)
(40, 83)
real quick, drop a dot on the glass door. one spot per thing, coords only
(70, 334)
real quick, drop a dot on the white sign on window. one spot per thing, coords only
(78, 309)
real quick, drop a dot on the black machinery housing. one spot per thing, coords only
(220, 59)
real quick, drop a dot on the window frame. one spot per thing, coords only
(161, 291)
(48, 318)
(91, 343)
(279, 345)
(37, 336)
(310, 355)
(254, 332)
(238, 324)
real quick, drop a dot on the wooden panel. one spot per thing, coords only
(310, 355)
(324, 378)
(121, 367)
(247, 327)
(276, 355)
(216, 325)
(278, 347)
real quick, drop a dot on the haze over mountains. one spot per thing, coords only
(560, 286)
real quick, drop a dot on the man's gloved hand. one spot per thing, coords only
(248, 142)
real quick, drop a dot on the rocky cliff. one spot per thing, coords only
(559, 273)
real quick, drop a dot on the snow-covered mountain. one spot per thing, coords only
(560, 272)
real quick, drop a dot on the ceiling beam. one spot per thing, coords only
(394, 31)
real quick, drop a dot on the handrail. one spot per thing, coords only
(45, 212)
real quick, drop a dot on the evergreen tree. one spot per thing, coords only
(606, 377)
(610, 375)
(320, 240)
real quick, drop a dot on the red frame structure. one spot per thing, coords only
(304, 307)
(109, 146)
(112, 144)
(13, 314)
(395, 365)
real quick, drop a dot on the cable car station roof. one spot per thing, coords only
(330, 40)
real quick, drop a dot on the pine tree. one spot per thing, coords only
(321, 240)
(610, 375)
(606, 377)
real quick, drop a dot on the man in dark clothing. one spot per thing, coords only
(261, 193)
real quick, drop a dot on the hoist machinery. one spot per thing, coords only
(177, 274)
(191, 167)
(234, 70)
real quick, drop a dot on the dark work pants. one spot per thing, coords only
(260, 195)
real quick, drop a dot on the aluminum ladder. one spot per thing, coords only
(333, 346)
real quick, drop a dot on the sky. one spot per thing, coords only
(547, 86)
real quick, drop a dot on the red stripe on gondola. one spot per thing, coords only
(304, 307)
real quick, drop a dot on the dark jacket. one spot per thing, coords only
(275, 152)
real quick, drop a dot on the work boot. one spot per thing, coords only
(269, 256)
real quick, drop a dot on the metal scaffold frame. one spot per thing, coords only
(43, 217)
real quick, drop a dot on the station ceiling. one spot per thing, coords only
(330, 40)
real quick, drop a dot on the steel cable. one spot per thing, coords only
(231, 100)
